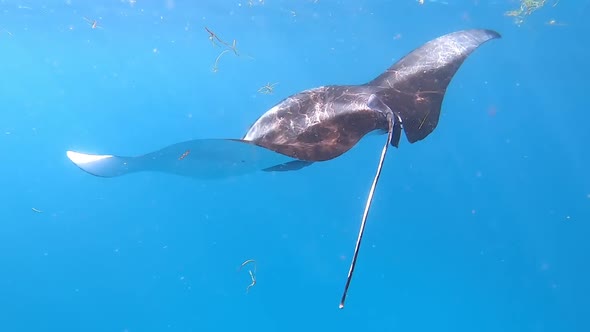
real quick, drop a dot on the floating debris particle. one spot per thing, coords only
(186, 153)
(252, 273)
(267, 89)
(217, 41)
(216, 64)
(93, 23)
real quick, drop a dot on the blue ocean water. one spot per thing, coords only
(482, 226)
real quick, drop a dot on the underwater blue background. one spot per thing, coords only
(482, 226)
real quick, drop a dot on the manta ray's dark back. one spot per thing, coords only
(322, 123)
(414, 87)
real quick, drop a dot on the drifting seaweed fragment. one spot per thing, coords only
(527, 7)
(252, 274)
(217, 41)
(267, 89)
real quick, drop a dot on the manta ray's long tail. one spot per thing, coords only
(411, 92)
(414, 87)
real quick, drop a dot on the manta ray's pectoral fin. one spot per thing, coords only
(201, 158)
(376, 104)
(416, 85)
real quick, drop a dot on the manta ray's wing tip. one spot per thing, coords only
(83, 158)
(100, 165)
(491, 34)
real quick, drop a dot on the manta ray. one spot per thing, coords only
(319, 124)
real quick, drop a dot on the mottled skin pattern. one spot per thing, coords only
(322, 123)
(318, 124)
